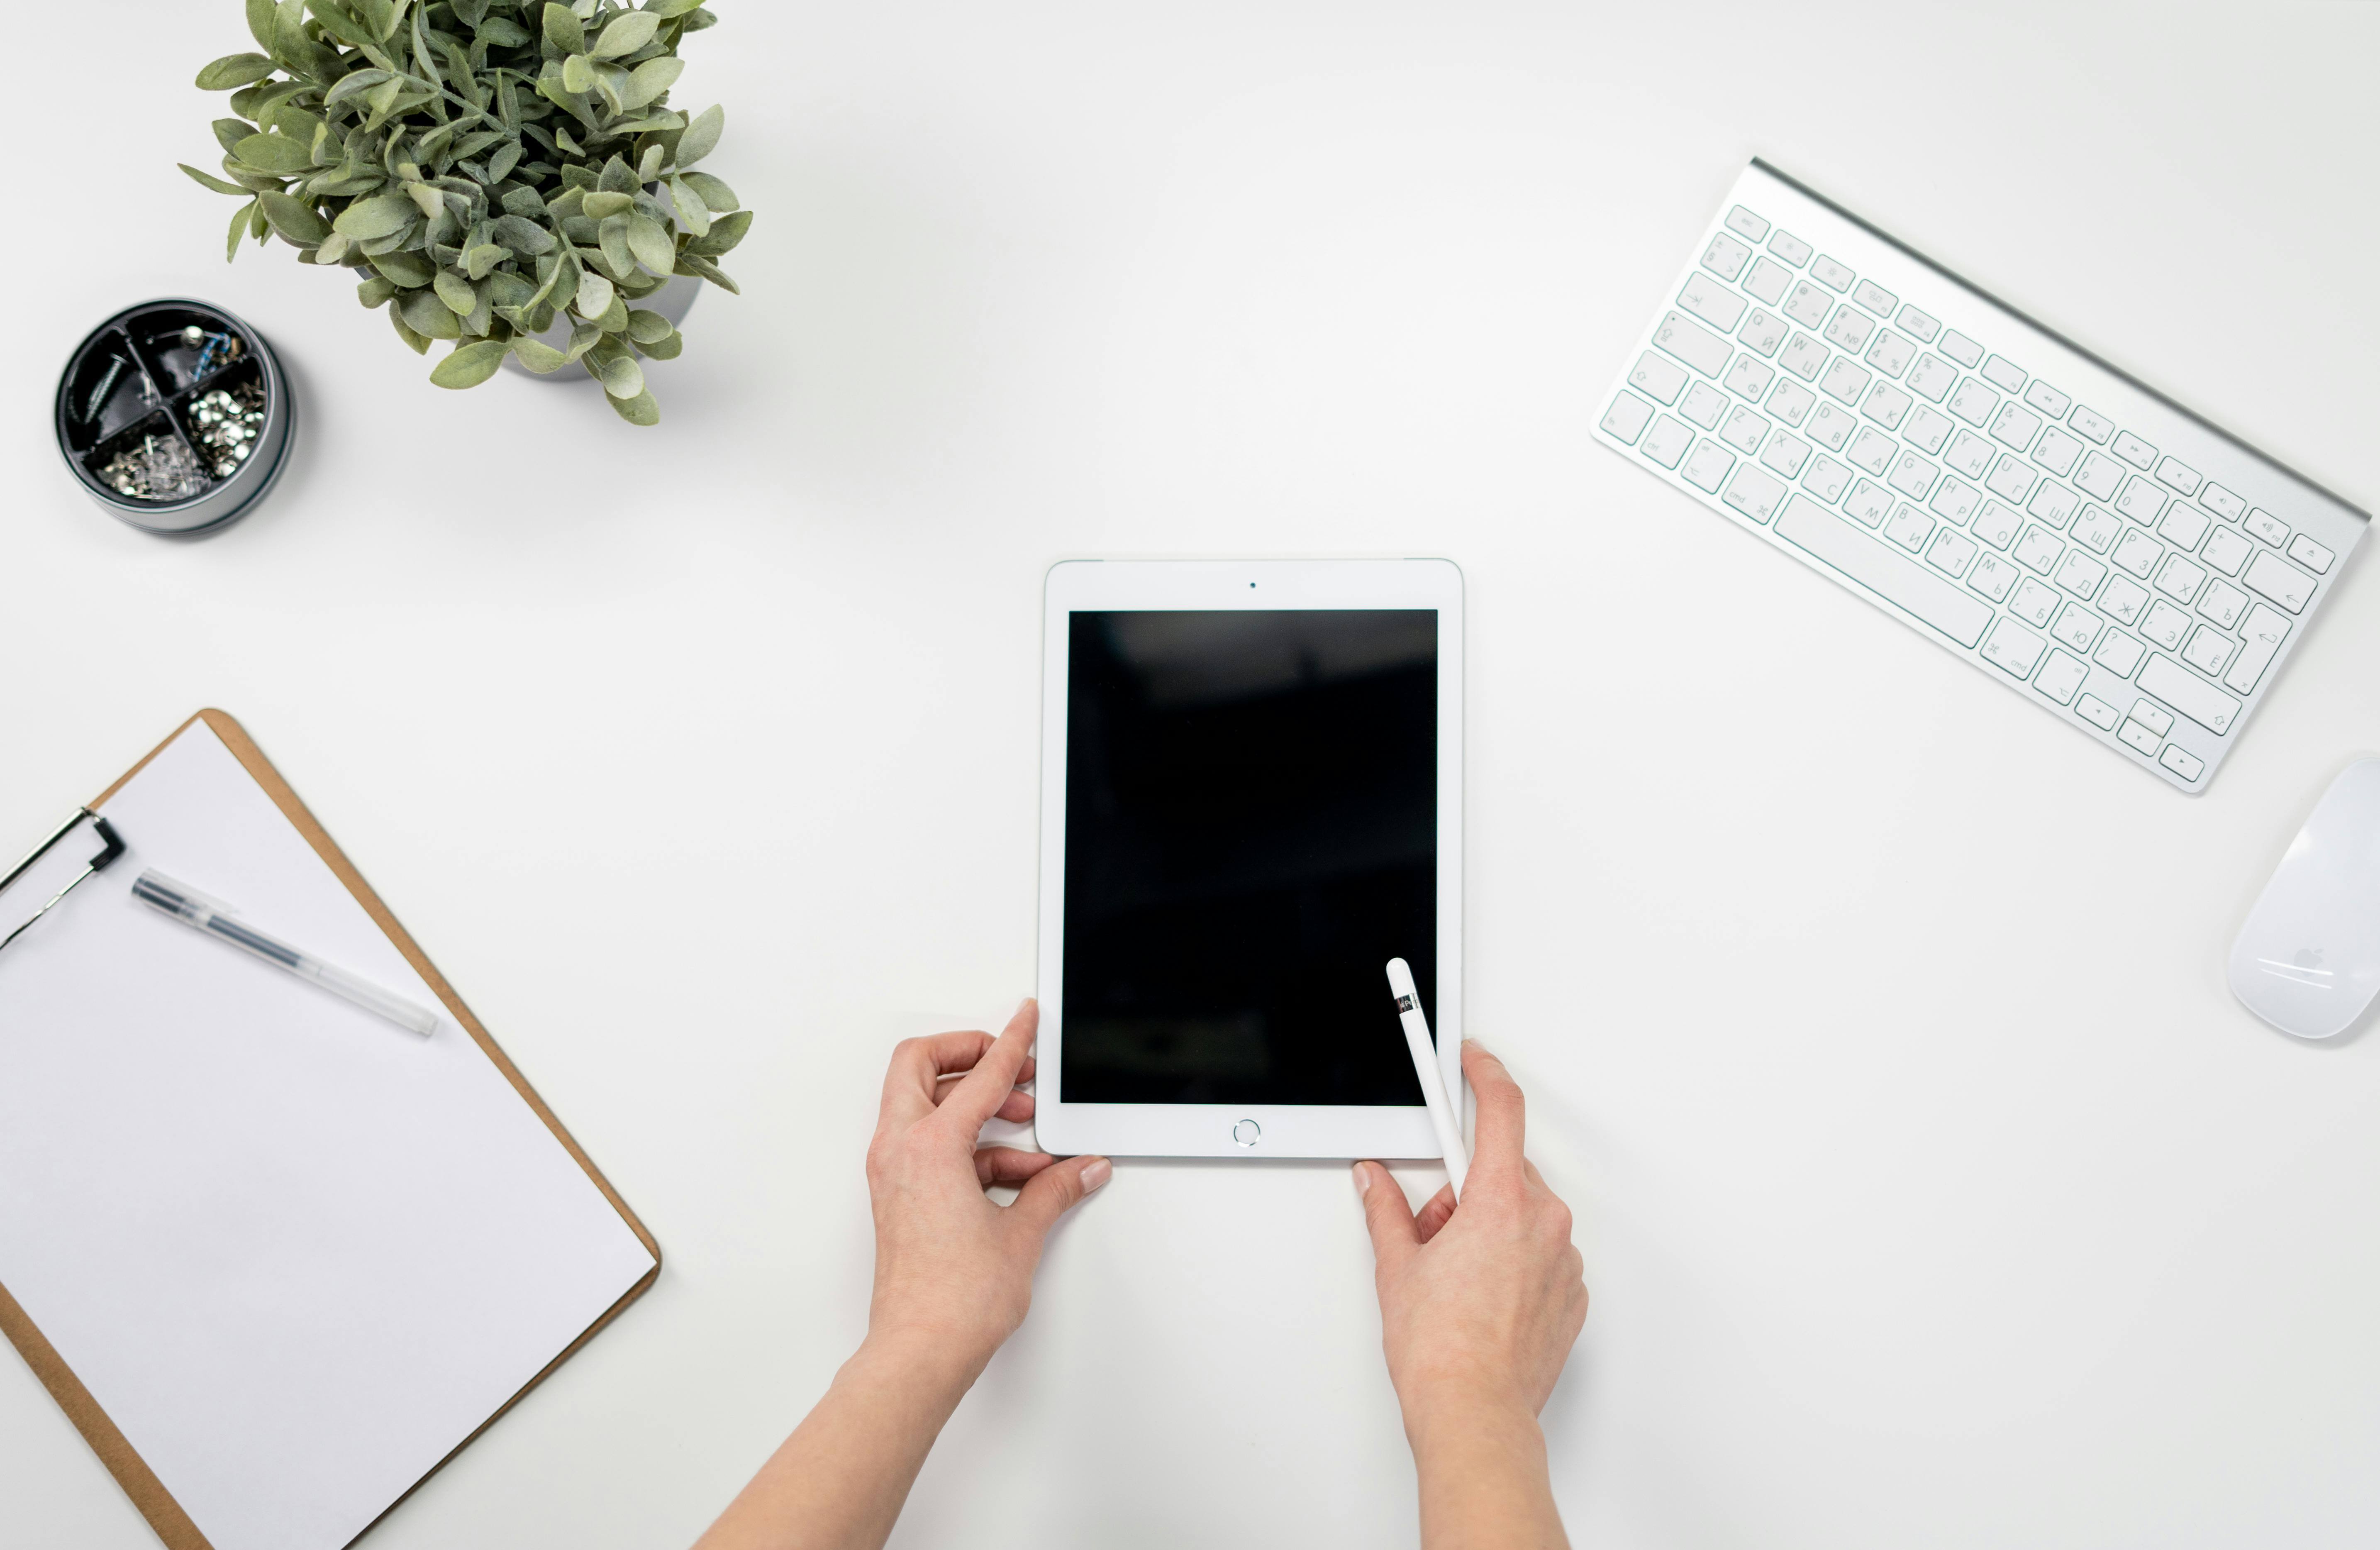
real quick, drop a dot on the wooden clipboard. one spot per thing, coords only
(147, 1493)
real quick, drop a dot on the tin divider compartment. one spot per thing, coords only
(204, 425)
(160, 456)
(174, 363)
(111, 364)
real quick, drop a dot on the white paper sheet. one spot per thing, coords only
(296, 1253)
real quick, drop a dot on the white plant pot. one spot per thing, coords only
(674, 300)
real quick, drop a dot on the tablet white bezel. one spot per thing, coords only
(1207, 1130)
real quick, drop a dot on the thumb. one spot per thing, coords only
(1053, 1191)
(1389, 1220)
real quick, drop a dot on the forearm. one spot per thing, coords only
(838, 1482)
(1484, 1484)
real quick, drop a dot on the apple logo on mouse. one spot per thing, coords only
(2307, 957)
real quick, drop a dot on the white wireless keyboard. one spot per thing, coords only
(2087, 542)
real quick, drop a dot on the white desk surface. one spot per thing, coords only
(1932, 1187)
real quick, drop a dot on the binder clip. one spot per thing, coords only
(99, 863)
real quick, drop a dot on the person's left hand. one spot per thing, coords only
(950, 1266)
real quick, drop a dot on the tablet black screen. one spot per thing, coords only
(1251, 835)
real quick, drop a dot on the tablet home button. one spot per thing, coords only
(1246, 1131)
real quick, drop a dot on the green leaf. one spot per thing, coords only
(297, 221)
(239, 227)
(235, 69)
(701, 137)
(382, 216)
(579, 73)
(595, 295)
(427, 200)
(650, 78)
(692, 213)
(351, 83)
(275, 153)
(647, 328)
(651, 245)
(625, 35)
(502, 33)
(334, 249)
(376, 291)
(562, 29)
(420, 342)
(615, 367)
(702, 268)
(665, 10)
(501, 164)
(425, 314)
(231, 131)
(523, 236)
(538, 356)
(665, 349)
(715, 194)
(409, 270)
(205, 181)
(469, 365)
(602, 202)
(479, 260)
(457, 292)
(259, 22)
(617, 177)
(639, 410)
(725, 232)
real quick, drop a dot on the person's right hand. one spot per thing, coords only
(1481, 1302)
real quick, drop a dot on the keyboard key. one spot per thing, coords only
(1656, 378)
(1913, 476)
(2209, 650)
(2077, 627)
(1872, 450)
(1693, 344)
(1932, 377)
(1725, 257)
(2269, 528)
(1804, 357)
(1994, 577)
(2003, 374)
(2184, 526)
(2133, 450)
(2226, 550)
(1849, 329)
(2048, 400)
(2222, 502)
(2137, 553)
(1924, 430)
(1890, 354)
(1762, 332)
(1954, 502)
(1951, 554)
(1755, 494)
(2223, 604)
(2037, 550)
(2054, 504)
(2060, 677)
(2094, 426)
(1748, 378)
(2264, 630)
(1970, 454)
(1707, 467)
(2165, 625)
(1890, 575)
(2097, 711)
(1826, 478)
(2101, 476)
(1785, 455)
(1924, 324)
(1626, 419)
(1744, 430)
(1747, 225)
(2141, 501)
(1790, 402)
(1874, 298)
(2194, 698)
(2056, 451)
(1833, 275)
(2013, 480)
(2270, 576)
(1974, 402)
(1964, 350)
(2080, 574)
(1789, 247)
(1996, 525)
(2033, 603)
(2312, 555)
(2140, 738)
(2181, 761)
(1830, 427)
(2015, 426)
(2013, 650)
(2154, 717)
(1907, 528)
(2119, 654)
(2096, 528)
(1703, 405)
(1886, 405)
(1845, 379)
(1868, 503)
(2181, 579)
(1769, 281)
(1712, 302)
(1808, 305)
(2124, 599)
(2179, 475)
(1668, 443)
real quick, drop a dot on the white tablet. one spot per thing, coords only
(1251, 800)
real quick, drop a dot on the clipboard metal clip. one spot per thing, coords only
(101, 862)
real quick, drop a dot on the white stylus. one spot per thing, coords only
(1425, 1059)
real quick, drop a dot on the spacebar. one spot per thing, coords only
(1900, 581)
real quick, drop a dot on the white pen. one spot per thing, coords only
(198, 911)
(1425, 1059)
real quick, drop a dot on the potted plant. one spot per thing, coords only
(493, 169)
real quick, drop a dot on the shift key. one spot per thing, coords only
(2188, 693)
(1693, 344)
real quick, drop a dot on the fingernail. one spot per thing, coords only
(1363, 1182)
(1474, 1043)
(1097, 1174)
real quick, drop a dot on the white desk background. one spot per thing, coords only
(1933, 1189)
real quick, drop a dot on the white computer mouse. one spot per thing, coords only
(2308, 960)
